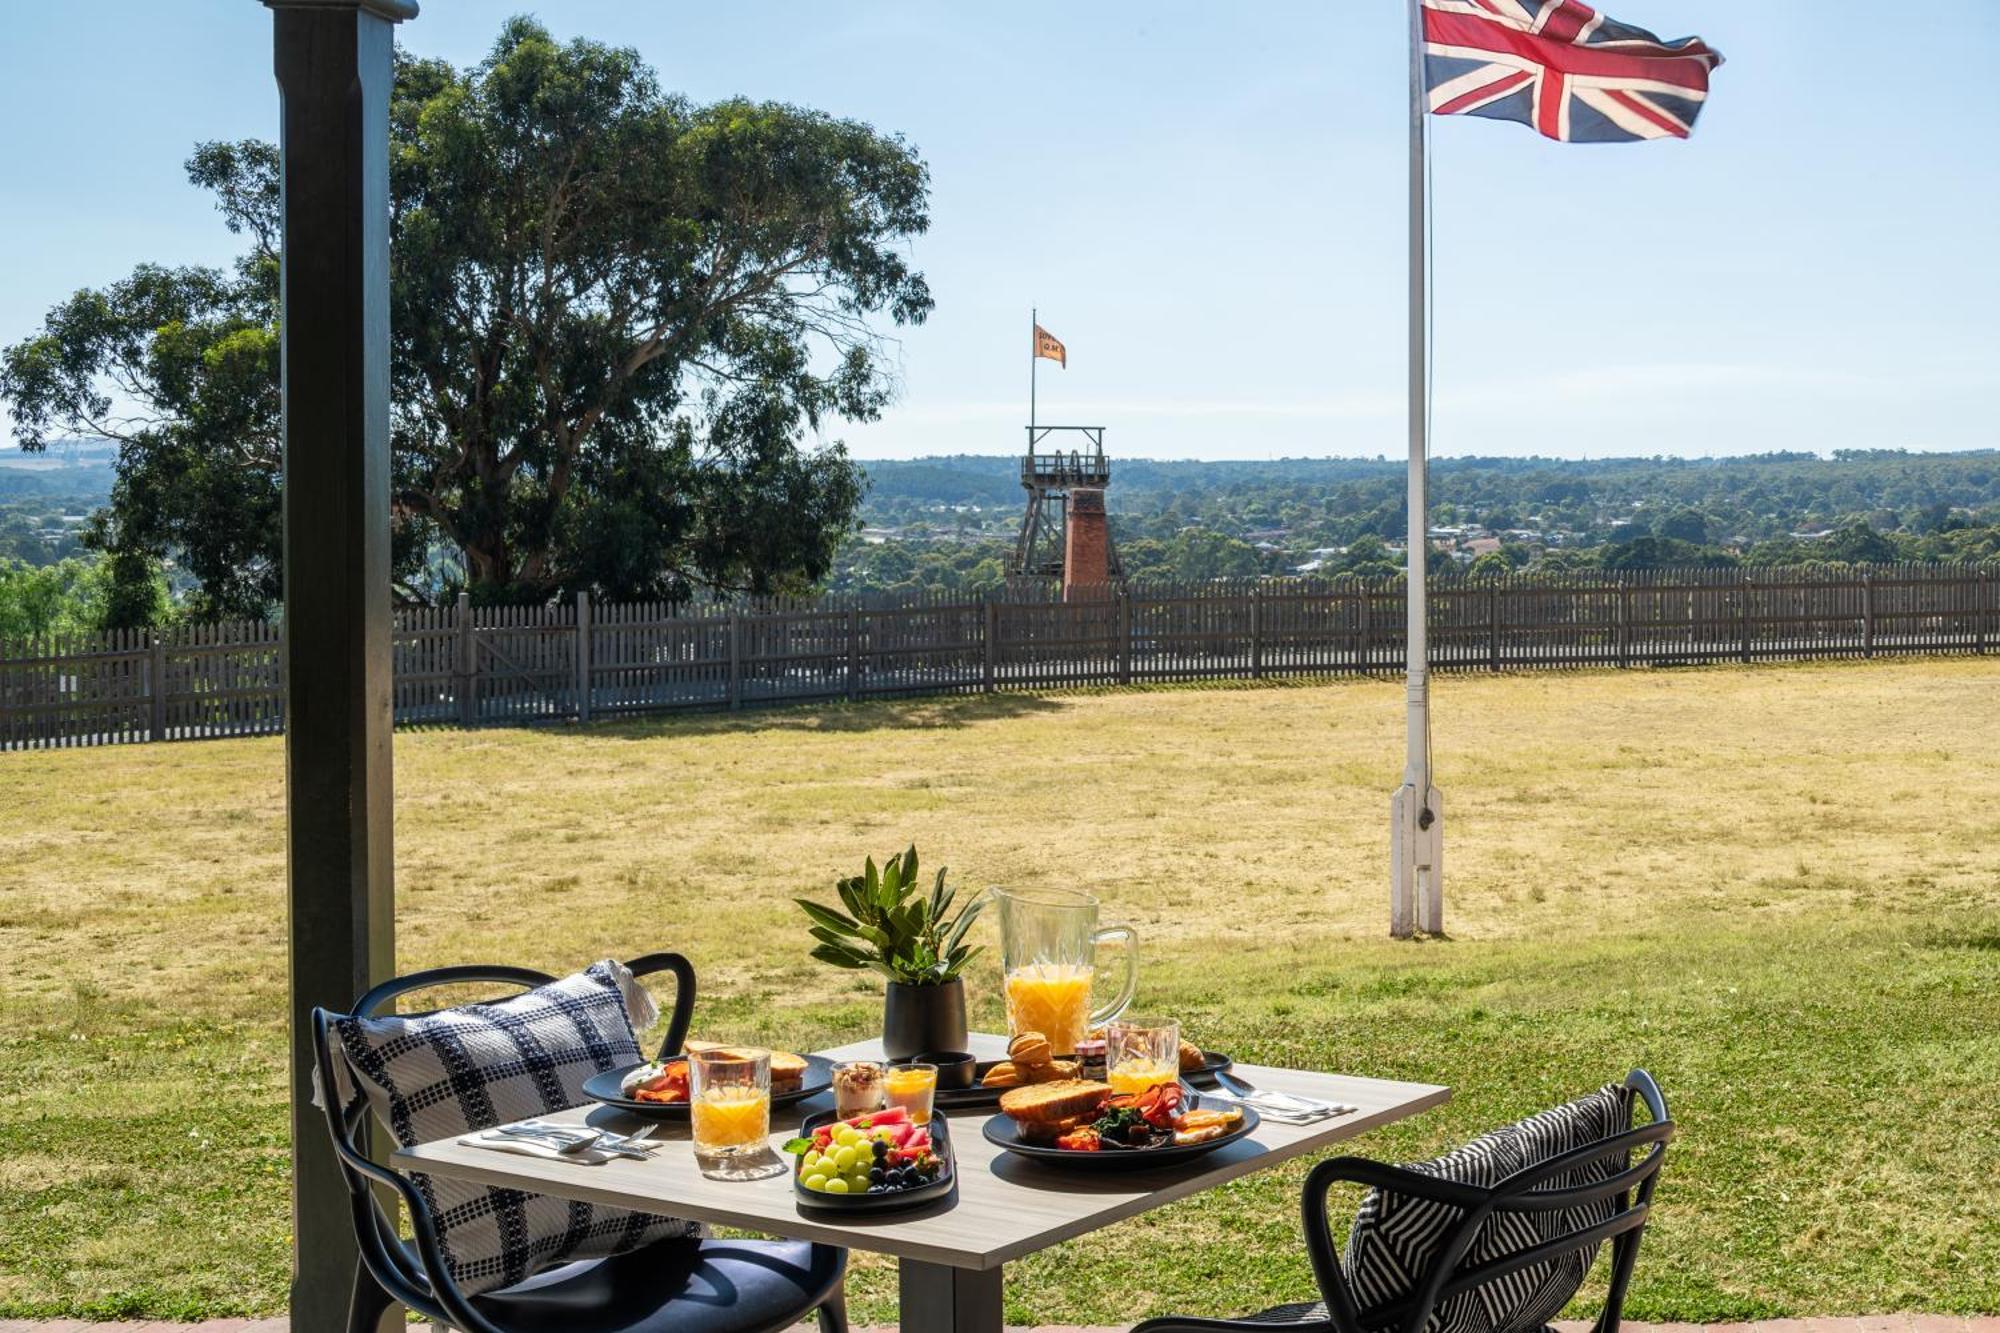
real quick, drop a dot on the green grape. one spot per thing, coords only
(836, 1186)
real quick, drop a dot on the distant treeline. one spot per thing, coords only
(949, 521)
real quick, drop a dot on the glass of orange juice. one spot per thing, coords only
(729, 1101)
(1141, 1053)
(912, 1086)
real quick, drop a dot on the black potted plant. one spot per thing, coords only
(913, 941)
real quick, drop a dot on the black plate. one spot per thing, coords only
(952, 1099)
(946, 1183)
(604, 1088)
(1212, 1063)
(1003, 1133)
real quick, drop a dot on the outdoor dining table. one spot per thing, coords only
(950, 1253)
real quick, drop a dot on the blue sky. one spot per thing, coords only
(1206, 202)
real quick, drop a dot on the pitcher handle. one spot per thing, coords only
(1131, 982)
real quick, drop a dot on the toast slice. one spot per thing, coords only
(1040, 1105)
(788, 1071)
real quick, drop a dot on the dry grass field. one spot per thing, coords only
(1778, 887)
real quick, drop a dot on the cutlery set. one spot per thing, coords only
(568, 1140)
(1283, 1106)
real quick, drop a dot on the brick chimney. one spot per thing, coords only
(1086, 545)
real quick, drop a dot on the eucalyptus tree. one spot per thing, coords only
(621, 323)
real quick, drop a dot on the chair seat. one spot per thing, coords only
(1309, 1312)
(675, 1286)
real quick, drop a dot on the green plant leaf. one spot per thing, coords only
(850, 896)
(829, 918)
(838, 939)
(828, 953)
(963, 924)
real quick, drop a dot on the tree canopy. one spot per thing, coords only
(618, 319)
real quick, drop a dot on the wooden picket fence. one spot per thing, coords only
(576, 660)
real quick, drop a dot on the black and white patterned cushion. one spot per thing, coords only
(1397, 1237)
(439, 1075)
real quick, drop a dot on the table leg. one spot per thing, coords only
(937, 1298)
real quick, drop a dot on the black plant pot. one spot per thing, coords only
(916, 1019)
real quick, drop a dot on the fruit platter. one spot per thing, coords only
(1085, 1124)
(871, 1162)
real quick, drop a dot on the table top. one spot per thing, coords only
(1007, 1206)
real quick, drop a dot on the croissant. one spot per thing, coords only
(1030, 1048)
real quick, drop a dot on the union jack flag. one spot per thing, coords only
(1563, 68)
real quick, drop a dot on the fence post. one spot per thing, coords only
(1868, 613)
(466, 662)
(1257, 633)
(1622, 621)
(157, 683)
(583, 681)
(1493, 627)
(735, 661)
(1365, 624)
(853, 653)
(1979, 609)
(992, 641)
(1743, 618)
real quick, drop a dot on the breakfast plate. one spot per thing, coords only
(1083, 1124)
(1004, 1133)
(607, 1088)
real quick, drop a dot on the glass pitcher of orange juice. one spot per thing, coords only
(1048, 951)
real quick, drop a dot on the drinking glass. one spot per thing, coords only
(730, 1102)
(1141, 1053)
(913, 1086)
(857, 1088)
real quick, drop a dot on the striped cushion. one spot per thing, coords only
(1397, 1238)
(440, 1075)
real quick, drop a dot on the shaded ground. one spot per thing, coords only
(1778, 887)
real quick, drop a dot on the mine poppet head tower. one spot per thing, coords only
(1065, 532)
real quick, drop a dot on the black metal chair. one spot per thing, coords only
(1337, 1311)
(683, 1285)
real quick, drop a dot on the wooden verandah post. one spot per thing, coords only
(333, 61)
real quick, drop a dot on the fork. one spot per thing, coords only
(552, 1136)
(1280, 1104)
(565, 1140)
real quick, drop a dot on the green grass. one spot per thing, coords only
(1777, 888)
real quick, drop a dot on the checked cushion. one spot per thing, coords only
(458, 1071)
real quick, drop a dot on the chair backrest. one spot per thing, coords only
(1628, 1189)
(418, 1278)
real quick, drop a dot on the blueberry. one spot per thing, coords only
(877, 1175)
(881, 1150)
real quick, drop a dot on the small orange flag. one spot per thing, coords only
(1049, 346)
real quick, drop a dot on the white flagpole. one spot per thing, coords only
(1416, 813)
